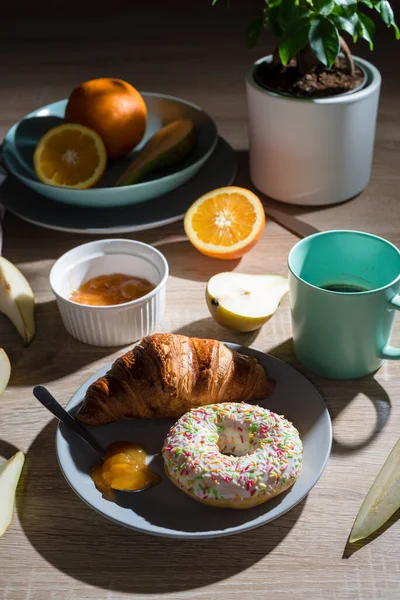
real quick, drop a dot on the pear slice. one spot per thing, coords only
(382, 500)
(244, 302)
(17, 301)
(10, 473)
(5, 370)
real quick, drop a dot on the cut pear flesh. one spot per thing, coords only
(382, 500)
(244, 302)
(17, 301)
(5, 370)
(10, 473)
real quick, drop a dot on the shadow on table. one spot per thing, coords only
(208, 328)
(185, 262)
(84, 545)
(7, 450)
(47, 244)
(53, 353)
(343, 394)
(338, 394)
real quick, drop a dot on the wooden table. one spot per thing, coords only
(57, 547)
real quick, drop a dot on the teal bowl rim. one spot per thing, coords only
(95, 191)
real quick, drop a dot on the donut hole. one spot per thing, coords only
(232, 441)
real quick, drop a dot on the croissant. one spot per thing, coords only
(166, 375)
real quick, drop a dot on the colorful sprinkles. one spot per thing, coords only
(232, 451)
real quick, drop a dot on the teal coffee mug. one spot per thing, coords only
(344, 289)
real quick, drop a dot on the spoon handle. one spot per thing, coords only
(49, 402)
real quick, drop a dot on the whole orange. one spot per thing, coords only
(114, 109)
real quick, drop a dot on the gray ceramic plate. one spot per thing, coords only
(21, 140)
(166, 511)
(219, 171)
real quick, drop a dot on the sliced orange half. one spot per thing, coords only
(70, 155)
(225, 223)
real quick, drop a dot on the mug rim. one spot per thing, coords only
(110, 242)
(338, 231)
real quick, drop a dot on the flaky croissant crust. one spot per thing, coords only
(166, 375)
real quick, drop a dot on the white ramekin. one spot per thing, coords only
(118, 324)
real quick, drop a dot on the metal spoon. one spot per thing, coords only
(49, 402)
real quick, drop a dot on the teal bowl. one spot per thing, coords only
(21, 140)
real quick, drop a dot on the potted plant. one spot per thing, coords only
(312, 106)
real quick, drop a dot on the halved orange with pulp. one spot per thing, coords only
(70, 155)
(225, 223)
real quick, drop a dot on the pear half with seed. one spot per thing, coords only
(382, 500)
(17, 301)
(244, 302)
(10, 473)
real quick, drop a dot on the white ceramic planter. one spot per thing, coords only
(312, 151)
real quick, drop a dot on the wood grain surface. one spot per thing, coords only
(59, 549)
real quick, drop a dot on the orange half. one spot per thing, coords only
(225, 223)
(70, 155)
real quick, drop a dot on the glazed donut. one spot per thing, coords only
(232, 455)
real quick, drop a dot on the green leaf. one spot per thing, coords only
(324, 40)
(346, 18)
(288, 13)
(254, 31)
(366, 28)
(387, 13)
(349, 25)
(305, 13)
(324, 7)
(345, 11)
(271, 20)
(371, 3)
(345, 3)
(294, 40)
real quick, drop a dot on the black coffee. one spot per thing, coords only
(348, 288)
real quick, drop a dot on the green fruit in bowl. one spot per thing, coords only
(167, 147)
(382, 500)
(244, 302)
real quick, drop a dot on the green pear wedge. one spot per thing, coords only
(10, 473)
(5, 370)
(17, 301)
(167, 147)
(244, 302)
(382, 500)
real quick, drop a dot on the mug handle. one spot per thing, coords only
(390, 352)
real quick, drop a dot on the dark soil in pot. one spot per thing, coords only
(320, 83)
